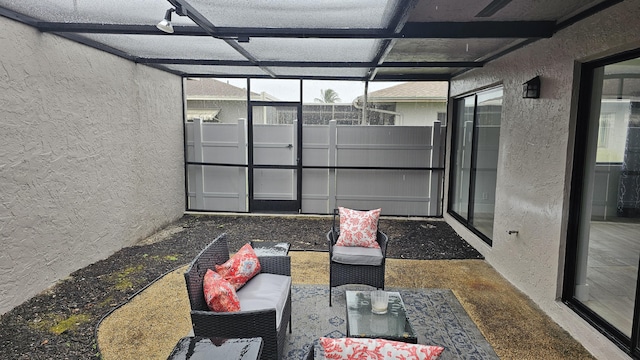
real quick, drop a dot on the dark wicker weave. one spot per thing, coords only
(310, 355)
(243, 324)
(342, 274)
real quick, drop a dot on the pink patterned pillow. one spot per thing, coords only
(219, 294)
(358, 228)
(241, 267)
(362, 348)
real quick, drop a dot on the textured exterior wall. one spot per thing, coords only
(420, 113)
(536, 149)
(91, 157)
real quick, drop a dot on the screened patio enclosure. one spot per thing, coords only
(366, 42)
(272, 152)
(249, 152)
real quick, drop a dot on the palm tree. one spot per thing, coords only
(328, 96)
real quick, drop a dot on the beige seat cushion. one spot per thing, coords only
(353, 255)
(265, 291)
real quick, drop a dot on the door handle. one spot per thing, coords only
(290, 146)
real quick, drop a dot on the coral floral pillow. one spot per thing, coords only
(354, 348)
(241, 267)
(219, 294)
(358, 228)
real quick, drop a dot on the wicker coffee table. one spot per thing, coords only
(361, 322)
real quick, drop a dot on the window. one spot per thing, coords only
(603, 132)
(602, 249)
(474, 160)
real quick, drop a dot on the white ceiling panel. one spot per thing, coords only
(144, 12)
(414, 39)
(298, 13)
(515, 10)
(169, 46)
(206, 70)
(418, 70)
(283, 49)
(423, 50)
(319, 72)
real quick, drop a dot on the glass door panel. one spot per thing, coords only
(461, 169)
(487, 139)
(608, 244)
(474, 160)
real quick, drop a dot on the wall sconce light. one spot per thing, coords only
(165, 24)
(531, 89)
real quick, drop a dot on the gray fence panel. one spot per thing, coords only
(315, 191)
(396, 192)
(213, 187)
(392, 146)
(224, 188)
(315, 148)
(316, 183)
(406, 192)
(224, 143)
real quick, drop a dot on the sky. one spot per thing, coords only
(287, 90)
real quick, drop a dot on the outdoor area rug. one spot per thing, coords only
(435, 314)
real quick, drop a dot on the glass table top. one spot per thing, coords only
(200, 348)
(393, 325)
(270, 248)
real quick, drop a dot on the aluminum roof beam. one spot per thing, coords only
(411, 30)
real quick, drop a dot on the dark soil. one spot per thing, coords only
(60, 323)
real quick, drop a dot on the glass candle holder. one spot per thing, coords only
(379, 301)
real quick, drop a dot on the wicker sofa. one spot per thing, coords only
(265, 301)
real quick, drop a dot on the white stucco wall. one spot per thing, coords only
(230, 111)
(91, 157)
(536, 149)
(420, 113)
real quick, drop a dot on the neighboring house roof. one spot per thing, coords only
(412, 91)
(208, 88)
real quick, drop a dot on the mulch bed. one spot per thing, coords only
(60, 323)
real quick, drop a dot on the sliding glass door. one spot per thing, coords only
(476, 136)
(604, 237)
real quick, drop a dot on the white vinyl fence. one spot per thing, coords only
(217, 188)
(361, 167)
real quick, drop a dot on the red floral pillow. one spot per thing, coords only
(358, 228)
(219, 294)
(355, 348)
(241, 267)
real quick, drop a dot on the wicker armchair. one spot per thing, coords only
(342, 274)
(242, 324)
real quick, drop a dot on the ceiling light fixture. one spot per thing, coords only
(165, 24)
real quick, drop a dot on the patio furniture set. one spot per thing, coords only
(265, 301)
(245, 314)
